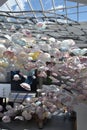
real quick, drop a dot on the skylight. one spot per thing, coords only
(60, 16)
(72, 10)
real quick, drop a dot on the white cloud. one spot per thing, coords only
(22, 4)
(60, 8)
(12, 3)
(47, 4)
(4, 7)
(17, 8)
(48, 1)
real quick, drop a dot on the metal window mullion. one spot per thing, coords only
(32, 10)
(77, 11)
(18, 5)
(54, 11)
(10, 9)
(11, 12)
(42, 7)
(69, 7)
(66, 10)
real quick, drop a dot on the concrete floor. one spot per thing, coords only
(56, 123)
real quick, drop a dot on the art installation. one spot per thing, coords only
(64, 76)
(40, 60)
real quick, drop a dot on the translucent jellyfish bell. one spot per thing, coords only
(49, 115)
(34, 55)
(25, 86)
(40, 63)
(19, 118)
(40, 25)
(6, 119)
(12, 67)
(38, 36)
(2, 77)
(45, 47)
(16, 38)
(16, 77)
(16, 49)
(45, 56)
(64, 48)
(8, 54)
(8, 107)
(30, 65)
(27, 100)
(68, 42)
(42, 74)
(22, 57)
(26, 115)
(2, 49)
(4, 62)
(54, 52)
(52, 39)
(79, 52)
(19, 42)
(44, 38)
(55, 44)
(27, 32)
(17, 35)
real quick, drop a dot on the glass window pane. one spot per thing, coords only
(35, 4)
(11, 4)
(59, 5)
(47, 4)
(82, 8)
(4, 7)
(59, 2)
(63, 12)
(73, 17)
(26, 6)
(72, 10)
(82, 16)
(68, 4)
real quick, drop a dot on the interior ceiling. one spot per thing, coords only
(58, 22)
(80, 1)
(2, 2)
